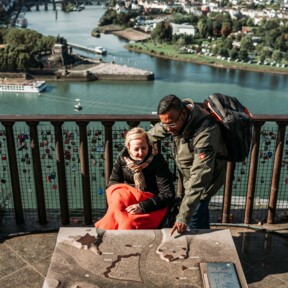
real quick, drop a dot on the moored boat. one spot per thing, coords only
(21, 86)
(21, 22)
(100, 50)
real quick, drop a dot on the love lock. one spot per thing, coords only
(73, 168)
(264, 133)
(53, 175)
(267, 142)
(44, 137)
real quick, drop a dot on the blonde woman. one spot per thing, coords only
(140, 188)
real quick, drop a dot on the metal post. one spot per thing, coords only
(62, 184)
(252, 172)
(38, 177)
(108, 150)
(228, 192)
(276, 173)
(16, 190)
(85, 173)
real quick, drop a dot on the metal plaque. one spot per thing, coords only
(222, 275)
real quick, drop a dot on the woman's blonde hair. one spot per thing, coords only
(136, 133)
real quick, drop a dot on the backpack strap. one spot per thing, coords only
(200, 126)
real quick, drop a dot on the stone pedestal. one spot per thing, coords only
(87, 258)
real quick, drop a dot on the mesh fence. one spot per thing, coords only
(96, 149)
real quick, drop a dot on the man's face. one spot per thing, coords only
(173, 120)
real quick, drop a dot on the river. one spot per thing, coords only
(263, 93)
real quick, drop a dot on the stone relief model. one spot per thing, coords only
(86, 257)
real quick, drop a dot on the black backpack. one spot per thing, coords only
(236, 124)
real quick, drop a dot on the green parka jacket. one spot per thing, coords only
(200, 155)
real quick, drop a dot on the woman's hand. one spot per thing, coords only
(134, 209)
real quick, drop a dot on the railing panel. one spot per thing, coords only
(281, 214)
(62, 179)
(70, 157)
(266, 158)
(276, 173)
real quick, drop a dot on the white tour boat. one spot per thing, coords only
(100, 50)
(21, 86)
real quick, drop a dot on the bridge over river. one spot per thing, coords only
(55, 3)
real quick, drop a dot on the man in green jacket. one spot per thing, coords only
(200, 155)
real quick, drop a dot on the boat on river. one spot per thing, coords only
(21, 22)
(21, 86)
(100, 50)
(77, 106)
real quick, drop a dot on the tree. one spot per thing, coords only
(202, 27)
(215, 50)
(246, 43)
(237, 25)
(262, 57)
(223, 52)
(21, 45)
(243, 54)
(217, 25)
(281, 43)
(181, 42)
(108, 17)
(162, 32)
(233, 54)
(277, 56)
(271, 24)
(226, 29)
(24, 61)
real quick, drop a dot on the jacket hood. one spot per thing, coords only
(196, 115)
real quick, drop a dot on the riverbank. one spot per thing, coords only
(129, 34)
(166, 52)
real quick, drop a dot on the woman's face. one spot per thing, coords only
(138, 148)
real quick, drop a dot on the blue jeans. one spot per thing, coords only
(201, 217)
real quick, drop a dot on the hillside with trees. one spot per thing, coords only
(19, 49)
(217, 36)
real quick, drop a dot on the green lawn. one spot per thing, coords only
(172, 52)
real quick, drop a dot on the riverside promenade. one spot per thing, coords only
(104, 71)
(88, 71)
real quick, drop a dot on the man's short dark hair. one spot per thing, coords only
(170, 102)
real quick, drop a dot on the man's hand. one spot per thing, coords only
(179, 226)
